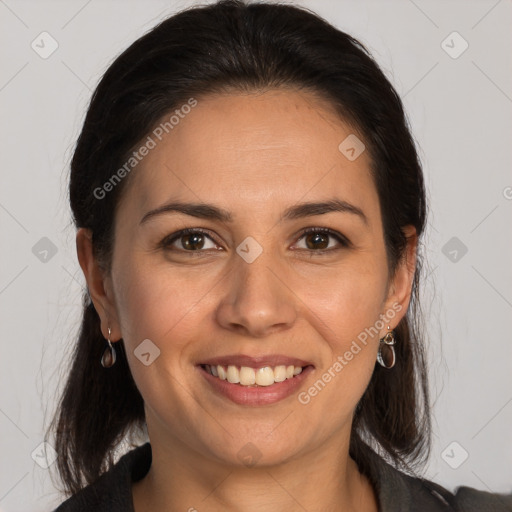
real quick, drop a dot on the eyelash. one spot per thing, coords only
(343, 241)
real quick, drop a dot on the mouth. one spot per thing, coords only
(255, 380)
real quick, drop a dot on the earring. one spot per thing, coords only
(109, 355)
(386, 354)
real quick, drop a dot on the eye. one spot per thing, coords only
(317, 239)
(190, 240)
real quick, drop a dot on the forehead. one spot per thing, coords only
(253, 152)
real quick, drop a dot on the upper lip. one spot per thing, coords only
(257, 361)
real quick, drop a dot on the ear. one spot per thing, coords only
(400, 287)
(99, 284)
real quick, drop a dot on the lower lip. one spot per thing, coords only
(260, 395)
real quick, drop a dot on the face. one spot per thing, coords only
(252, 279)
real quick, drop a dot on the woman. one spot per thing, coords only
(250, 205)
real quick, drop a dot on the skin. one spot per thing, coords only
(253, 155)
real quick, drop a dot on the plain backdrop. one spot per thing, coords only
(459, 103)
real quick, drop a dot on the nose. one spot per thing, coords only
(258, 301)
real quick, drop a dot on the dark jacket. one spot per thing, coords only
(396, 491)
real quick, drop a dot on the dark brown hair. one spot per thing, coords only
(235, 46)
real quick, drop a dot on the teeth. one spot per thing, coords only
(265, 376)
(220, 371)
(233, 375)
(279, 373)
(247, 376)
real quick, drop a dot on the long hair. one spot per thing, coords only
(235, 46)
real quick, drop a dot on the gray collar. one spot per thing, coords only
(400, 492)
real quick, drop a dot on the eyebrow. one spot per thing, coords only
(212, 212)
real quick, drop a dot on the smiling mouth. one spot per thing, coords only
(253, 377)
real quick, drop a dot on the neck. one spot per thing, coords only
(326, 479)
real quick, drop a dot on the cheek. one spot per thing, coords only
(160, 303)
(168, 308)
(346, 307)
(348, 300)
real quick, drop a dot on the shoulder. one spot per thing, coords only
(473, 500)
(464, 499)
(401, 492)
(112, 491)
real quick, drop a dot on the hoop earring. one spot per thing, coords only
(109, 354)
(386, 354)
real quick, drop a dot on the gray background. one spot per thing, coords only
(459, 109)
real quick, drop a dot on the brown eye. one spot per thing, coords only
(193, 241)
(319, 240)
(188, 240)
